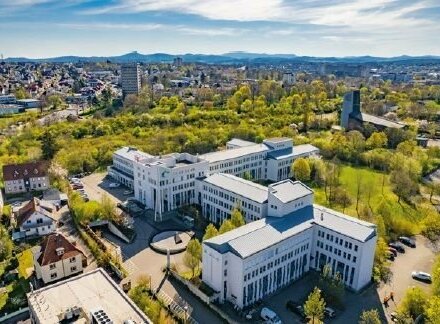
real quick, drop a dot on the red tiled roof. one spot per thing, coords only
(49, 248)
(25, 170)
(27, 210)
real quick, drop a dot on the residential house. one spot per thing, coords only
(26, 177)
(57, 258)
(33, 220)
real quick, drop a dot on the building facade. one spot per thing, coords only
(163, 183)
(130, 78)
(33, 220)
(257, 259)
(57, 258)
(19, 178)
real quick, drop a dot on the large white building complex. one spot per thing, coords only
(286, 235)
(163, 183)
(253, 261)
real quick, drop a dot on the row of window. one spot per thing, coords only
(276, 262)
(337, 240)
(336, 251)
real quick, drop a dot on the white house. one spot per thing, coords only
(33, 220)
(32, 176)
(57, 258)
(255, 260)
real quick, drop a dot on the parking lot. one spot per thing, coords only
(419, 259)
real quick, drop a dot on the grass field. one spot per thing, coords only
(13, 295)
(376, 194)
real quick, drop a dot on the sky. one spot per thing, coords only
(49, 28)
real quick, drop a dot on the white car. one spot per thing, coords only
(114, 185)
(422, 276)
(270, 316)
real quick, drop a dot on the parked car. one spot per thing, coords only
(114, 185)
(77, 186)
(329, 312)
(407, 241)
(296, 308)
(270, 316)
(421, 276)
(393, 251)
(390, 256)
(128, 192)
(394, 317)
(398, 246)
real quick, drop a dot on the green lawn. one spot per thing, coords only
(372, 183)
(13, 295)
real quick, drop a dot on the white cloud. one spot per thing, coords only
(183, 29)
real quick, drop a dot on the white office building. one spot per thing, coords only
(130, 78)
(163, 183)
(257, 259)
(220, 193)
(270, 160)
(167, 182)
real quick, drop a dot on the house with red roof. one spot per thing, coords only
(25, 177)
(33, 219)
(57, 258)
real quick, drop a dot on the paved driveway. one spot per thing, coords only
(418, 259)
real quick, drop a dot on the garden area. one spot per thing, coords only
(15, 273)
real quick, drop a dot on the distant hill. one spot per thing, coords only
(228, 58)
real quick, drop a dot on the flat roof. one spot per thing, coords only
(240, 142)
(343, 224)
(89, 291)
(131, 153)
(287, 190)
(259, 235)
(234, 153)
(239, 186)
(295, 151)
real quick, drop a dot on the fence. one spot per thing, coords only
(16, 313)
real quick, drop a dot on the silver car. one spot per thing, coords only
(421, 276)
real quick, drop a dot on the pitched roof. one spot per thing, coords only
(25, 170)
(51, 244)
(27, 210)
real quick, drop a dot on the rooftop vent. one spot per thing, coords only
(99, 316)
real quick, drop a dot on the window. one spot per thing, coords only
(72, 259)
(53, 275)
(72, 269)
(356, 248)
(52, 266)
(354, 259)
(225, 272)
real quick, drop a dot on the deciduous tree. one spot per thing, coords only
(314, 307)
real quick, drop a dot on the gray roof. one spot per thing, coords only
(379, 121)
(295, 151)
(343, 224)
(239, 186)
(287, 190)
(260, 235)
(240, 142)
(234, 153)
(132, 154)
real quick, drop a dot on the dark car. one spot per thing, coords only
(393, 251)
(399, 247)
(297, 308)
(407, 241)
(390, 256)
